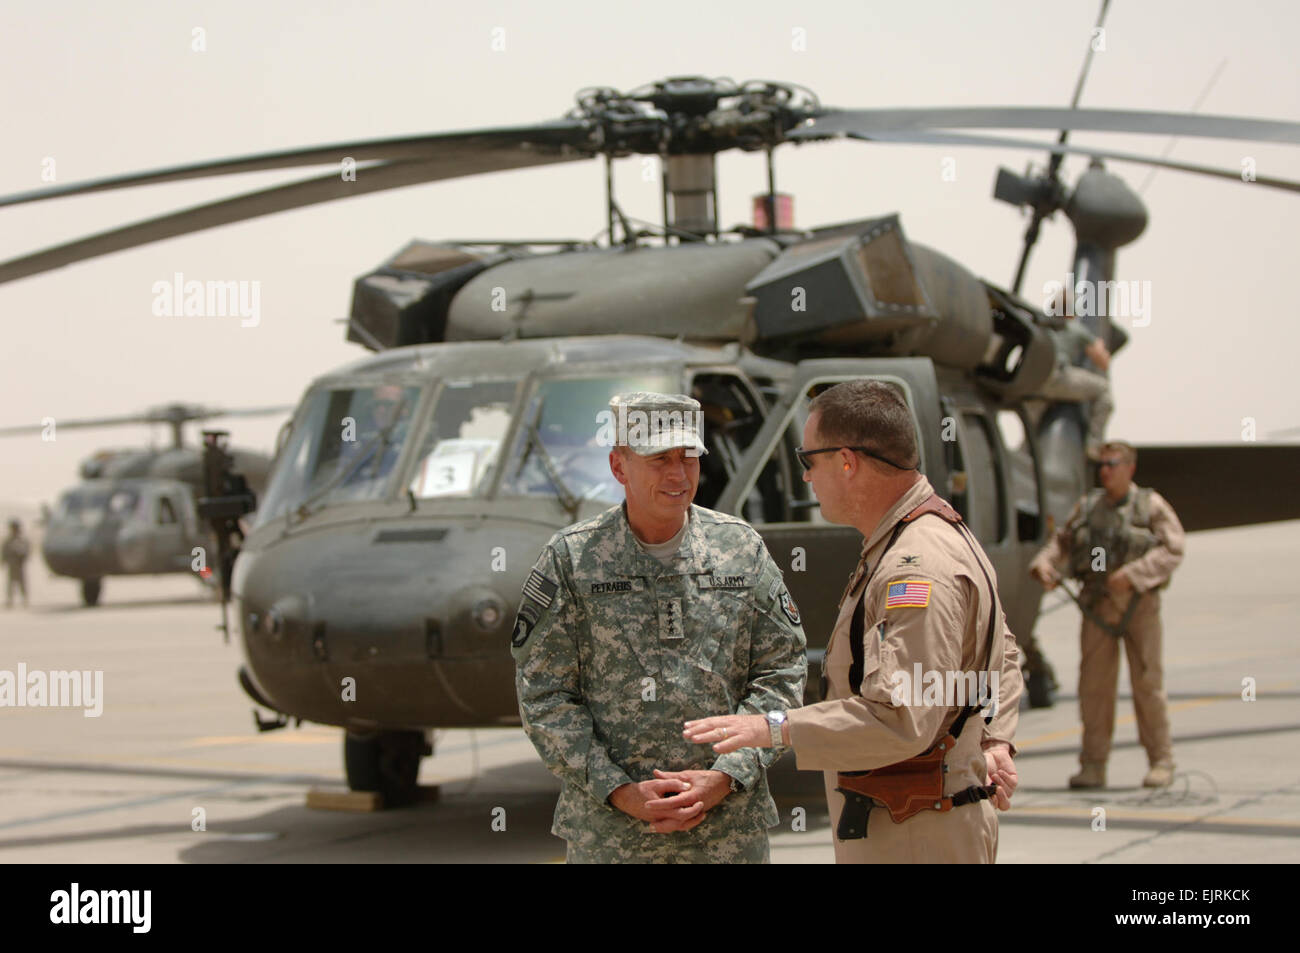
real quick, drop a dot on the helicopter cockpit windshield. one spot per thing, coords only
(463, 440)
(562, 448)
(88, 506)
(343, 447)
(347, 441)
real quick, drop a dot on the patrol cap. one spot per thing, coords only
(648, 423)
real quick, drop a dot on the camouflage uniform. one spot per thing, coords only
(616, 650)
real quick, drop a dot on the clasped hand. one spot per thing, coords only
(673, 800)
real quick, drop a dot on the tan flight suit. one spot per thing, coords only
(851, 732)
(1099, 649)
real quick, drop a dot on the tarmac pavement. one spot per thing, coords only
(172, 770)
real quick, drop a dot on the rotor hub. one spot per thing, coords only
(696, 115)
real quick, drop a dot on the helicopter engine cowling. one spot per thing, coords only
(692, 290)
(867, 288)
(961, 337)
(405, 300)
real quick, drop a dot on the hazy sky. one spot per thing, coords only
(110, 88)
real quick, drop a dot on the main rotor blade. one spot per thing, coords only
(281, 198)
(210, 412)
(866, 123)
(76, 424)
(466, 148)
(162, 415)
(1087, 59)
(1000, 142)
(1042, 210)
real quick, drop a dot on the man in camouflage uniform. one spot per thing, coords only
(651, 613)
(1122, 542)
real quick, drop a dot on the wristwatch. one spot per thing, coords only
(775, 719)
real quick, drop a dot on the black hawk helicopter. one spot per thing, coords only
(136, 510)
(416, 486)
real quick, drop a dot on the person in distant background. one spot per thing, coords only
(16, 551)
(1073, 380)
(1122, 542)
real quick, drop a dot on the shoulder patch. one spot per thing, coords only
(539, 589)
(907, 593)
(524, 622)
(910, 560)
(789, 608)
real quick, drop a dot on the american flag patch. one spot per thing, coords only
(539, 589)
(910, 593)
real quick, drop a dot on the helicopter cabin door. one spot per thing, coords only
(167, 533)
(768, 489)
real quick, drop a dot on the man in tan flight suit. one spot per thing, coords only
(926, 601)
(1122, 542)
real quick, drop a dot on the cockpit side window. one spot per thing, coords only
(90, 506)
(166, 512)
(733, 415)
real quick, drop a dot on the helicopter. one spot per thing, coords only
(374, 589)
(136, 510)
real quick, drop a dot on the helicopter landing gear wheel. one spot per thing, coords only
(90, 590)
(387, 762)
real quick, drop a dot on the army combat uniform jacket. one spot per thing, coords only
(615, 650)
(925, 609)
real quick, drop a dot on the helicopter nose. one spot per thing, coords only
(364, 626)
(76, 550)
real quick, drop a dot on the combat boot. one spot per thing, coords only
(1092, 774)
(1161, 775)
(1040, 688)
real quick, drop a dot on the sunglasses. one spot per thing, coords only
(1110, 463)
(802, 455)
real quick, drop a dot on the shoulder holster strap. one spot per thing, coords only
(908, 787)
(933, 504)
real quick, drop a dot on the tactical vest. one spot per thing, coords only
(1122, 534)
